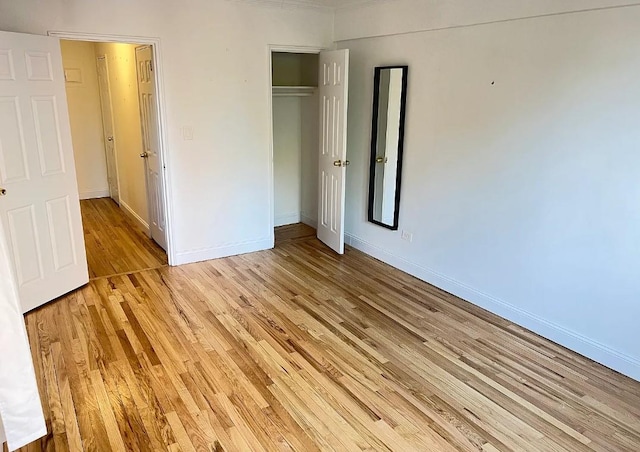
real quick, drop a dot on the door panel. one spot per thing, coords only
(40, 210)
(151, 143)
(104, 89)
(334, 85)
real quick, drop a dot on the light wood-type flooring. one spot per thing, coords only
(298, 348)
(115, 244)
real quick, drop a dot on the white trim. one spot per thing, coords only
(92, 194)
(594, 350)
(232, 249)
(134, 216)
(289, 218)
(161, 112)
(308, 221)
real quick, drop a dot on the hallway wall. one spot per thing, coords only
(83, 98)
(121, 59)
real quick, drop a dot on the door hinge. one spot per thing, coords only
(151, 66)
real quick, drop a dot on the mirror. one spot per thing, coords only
(387, 135)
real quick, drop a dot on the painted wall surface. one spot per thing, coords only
(520, 176)
(295, 159)
(403, 16)
(83, 98)
(287, 143)
(310, 137)
(216, 81)
(121, 59)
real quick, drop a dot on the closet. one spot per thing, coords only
(295, 138)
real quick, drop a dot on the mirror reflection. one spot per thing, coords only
(390, 86)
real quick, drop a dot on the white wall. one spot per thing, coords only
(85, 115)
(295, 159)
(216, 81)
(121, 61)
(310, 136)
(520, 181)
(388, 17)
(287, 143)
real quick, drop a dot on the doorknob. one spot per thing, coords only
(381, 160)
(3, 192)
(341, 163)
(144, 155)
(109, 138)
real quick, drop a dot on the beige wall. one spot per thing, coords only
(78, 59)
(121, 60)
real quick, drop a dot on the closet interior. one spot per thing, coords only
(295, 138)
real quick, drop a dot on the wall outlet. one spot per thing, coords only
(407, 236)
(187, 133)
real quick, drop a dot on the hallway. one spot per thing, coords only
(115, 244)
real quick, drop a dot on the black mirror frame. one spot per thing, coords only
(374, 140)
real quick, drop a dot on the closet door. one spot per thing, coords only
(333, 95)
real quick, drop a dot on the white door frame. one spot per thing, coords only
(160, 112)
(271, 48)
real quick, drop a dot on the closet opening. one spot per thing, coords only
(295, 110)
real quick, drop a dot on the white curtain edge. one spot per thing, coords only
(23, 441)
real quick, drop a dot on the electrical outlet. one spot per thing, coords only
(187, 133)
(407, 236)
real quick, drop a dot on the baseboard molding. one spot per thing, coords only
(621, 362)
(309, 221)
(233, 249)
(92, 194)
(134, 216)
(289, 218)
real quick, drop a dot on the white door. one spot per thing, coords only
(39, 206)
(151, 144)
(107, 127)
(334, 88)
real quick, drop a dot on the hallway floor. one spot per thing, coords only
(115, 243)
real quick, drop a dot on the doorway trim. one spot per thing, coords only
(161, 112)
(272, 48)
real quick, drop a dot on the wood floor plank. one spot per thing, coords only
(115, 243)
(297, 348)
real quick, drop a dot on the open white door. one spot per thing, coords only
(151, 143)
(39, 206)
(334, 88)
(107, 127)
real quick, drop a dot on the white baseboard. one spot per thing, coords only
(134, 216)
(92, 194)
(285, 219)
(621, 362)
(309, 221)
(233, 249)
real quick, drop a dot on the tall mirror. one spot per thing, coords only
(387, 135)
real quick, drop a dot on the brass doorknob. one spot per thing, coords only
(144, 155)
(3, 191)
(340, 163)
(381, 160)
(109, 138)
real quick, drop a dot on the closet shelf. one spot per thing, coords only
(295, 91)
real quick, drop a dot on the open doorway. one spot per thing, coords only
(295, 110)
(111, 101)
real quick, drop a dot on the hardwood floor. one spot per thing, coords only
(298, 348)
(115, 244)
